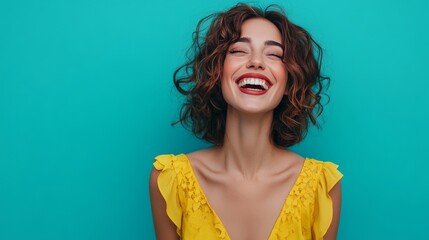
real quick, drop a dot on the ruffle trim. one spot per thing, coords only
(329, 177)
(167, 184)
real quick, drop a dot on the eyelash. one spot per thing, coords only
(232, 51)
(275, 55)
(236, 51)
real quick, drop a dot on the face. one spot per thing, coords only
(254, 75)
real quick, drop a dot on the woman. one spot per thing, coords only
(252, 89)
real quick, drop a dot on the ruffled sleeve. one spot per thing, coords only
(168, 186)
(329, 176)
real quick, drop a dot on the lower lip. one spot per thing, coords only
(252, 92)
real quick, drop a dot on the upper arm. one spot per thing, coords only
(164, 227)
(335, 194)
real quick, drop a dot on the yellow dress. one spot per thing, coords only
(306, 213)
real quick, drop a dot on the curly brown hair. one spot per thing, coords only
(204, 110)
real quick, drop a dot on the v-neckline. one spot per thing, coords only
(273, 228)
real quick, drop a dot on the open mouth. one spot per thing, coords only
(254, 84)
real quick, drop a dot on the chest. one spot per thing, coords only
(248, 211)
(245, 210)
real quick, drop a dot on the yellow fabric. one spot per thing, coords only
(306, 214)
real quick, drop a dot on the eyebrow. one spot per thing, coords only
(267, 43)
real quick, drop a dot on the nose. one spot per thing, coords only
(255, 62)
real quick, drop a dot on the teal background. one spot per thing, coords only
(86, 102)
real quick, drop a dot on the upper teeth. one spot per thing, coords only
(253, 81)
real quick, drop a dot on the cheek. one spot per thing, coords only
(228, 69)
(282, 75)
(228, 66)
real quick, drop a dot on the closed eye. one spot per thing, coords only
(275, 56)
(236, 51)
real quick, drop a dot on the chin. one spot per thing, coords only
(254, 110)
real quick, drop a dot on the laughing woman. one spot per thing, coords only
(252, 89)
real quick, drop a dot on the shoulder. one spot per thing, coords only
(169, 162)
(325, 179)
(204, 160)
(293, 164)
(324, 171)
(202, 154)
(167, 173)
(166, 211)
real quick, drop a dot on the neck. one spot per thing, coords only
(247, 146)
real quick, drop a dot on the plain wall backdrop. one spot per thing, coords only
(86, 103)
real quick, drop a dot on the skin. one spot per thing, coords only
(248, 157)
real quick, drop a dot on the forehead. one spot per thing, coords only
(260, 28)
